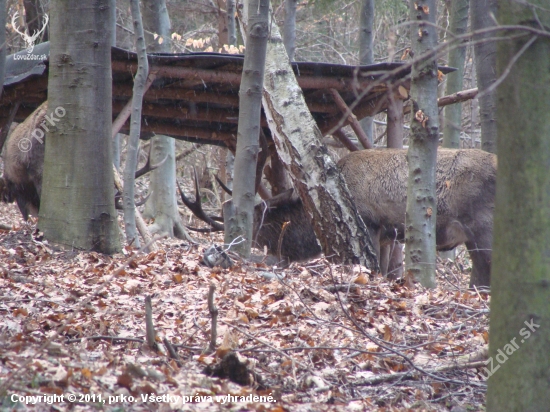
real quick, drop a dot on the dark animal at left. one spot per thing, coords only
(24, 165)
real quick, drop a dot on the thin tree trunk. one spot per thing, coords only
(240, 220)
(33, 19)
(453, 113)
(135, 128)
(231, 26)
(421, 211)
(289, 28)
(366, 51)
(77, 203)
(118, 137)
(341, 231)
(520, 315)
(223, 29)
(3, 47)
(482, 12)
(162, 205)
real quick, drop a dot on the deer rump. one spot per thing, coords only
(24, 166)
(377, 180)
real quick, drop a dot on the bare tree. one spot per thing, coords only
(420, 217)
(77, 205)
(483, 13)
(135, 128)
(453, 113)
(240, 219)
(289, 28)
(3, 47)
(162, 205)
(366, 50)
(519, 367)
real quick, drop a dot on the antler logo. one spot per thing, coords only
(29, 40)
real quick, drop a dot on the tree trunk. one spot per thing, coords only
(520, 314)
(3, 47)
(223, 29)
(289, 28)
(33, 19)
(162, 205)
(77, 205)
(482, 12)
(240, 220)
(135, 128)
(231, 26)
(421, 211)
(453, 112)
(341, 231)
(366, 52)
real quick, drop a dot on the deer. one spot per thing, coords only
(377, 180)
(24, 165)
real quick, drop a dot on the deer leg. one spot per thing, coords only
(395, 261)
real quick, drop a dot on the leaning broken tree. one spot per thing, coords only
(339, 228)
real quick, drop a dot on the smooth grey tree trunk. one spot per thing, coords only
(421, 211)
(132, 237)
(162, 204)
(482, 12)
(289, 28)
(366, 51)
(240, 220)
(520, 313)
(77, 204)
(3, 47)
(457, 54)
(231, 24)
(340, 230)
(118, 137)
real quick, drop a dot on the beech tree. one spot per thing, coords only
(453, 113)
(239, 218)
(289, 28)
(77, 205)
(162, 204)
(519, 370)
(423, 141)
(483, 13)
(366, 50)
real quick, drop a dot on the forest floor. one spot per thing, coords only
(311, 337)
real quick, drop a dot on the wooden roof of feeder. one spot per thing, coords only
(194, 96)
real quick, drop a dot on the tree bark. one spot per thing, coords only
(457, 54)
(231, 26)
(341, 231)
(289, 28)
(239, 222)
(421, 211)
(3, 46)
(77, 204)
(223, 29)
(33, 19)
(482, 12)
(162, 204)
(135, 129)
(520, 314)
(366, 52)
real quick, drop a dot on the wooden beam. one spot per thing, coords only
(352, 119)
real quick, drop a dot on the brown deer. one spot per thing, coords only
(377, 180)
(24, 163)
